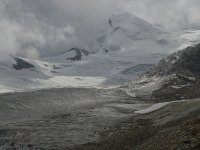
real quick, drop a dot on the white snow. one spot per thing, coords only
(5, 89)
(156, 106)
(130, 41)
(152, 108)
(70, 81)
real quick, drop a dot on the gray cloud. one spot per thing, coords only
(35, 28)
(172, 14)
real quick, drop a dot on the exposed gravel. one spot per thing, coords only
(94, 119)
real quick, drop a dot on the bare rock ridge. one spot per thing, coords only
(141, 68)
(181, 71)
(176, 77)
(79, 54)
(21, 64)
(185, 62)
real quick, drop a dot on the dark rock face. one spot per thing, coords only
(79, 54)
(185, 62)
(21, 64)
(141, 68)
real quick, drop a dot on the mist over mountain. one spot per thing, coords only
(42, 28)
(42, 56)
(103, 75)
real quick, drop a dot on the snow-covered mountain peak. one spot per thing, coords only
(136, 26)
(129, 33)
(121, 53)
(127, 18)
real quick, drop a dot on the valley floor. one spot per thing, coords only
(175, 127)
(79, 118)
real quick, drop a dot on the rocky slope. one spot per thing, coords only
(106, 119)
(185, 62)
(175, 77)
(173, 127)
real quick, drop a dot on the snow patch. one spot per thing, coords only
(152, 108)
(6, 89)
(70, 81)
(156, 107)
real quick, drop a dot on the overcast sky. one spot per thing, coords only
(42, 27)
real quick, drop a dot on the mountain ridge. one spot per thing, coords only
(185, 62)
(176, 77)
